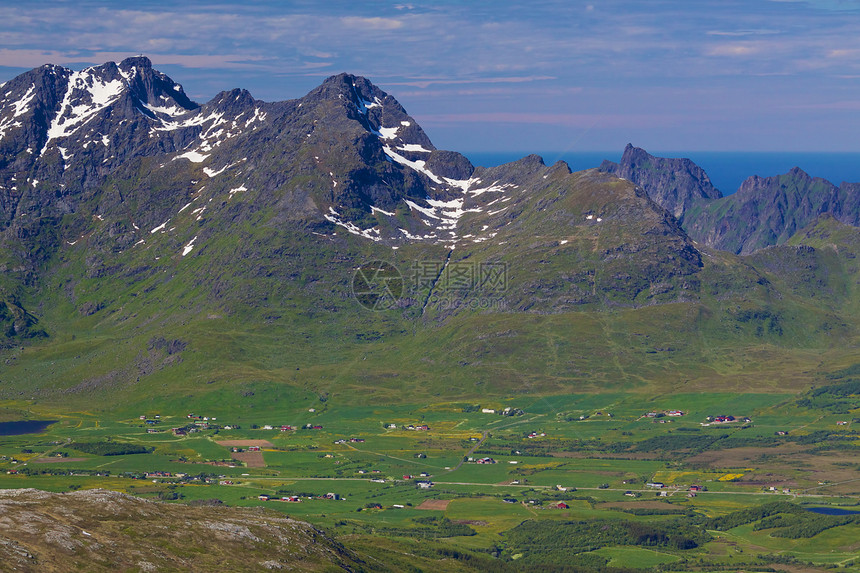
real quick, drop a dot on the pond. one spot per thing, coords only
(24, 427)
(832, 510)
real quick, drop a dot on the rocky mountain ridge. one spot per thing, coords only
(133, 214)
(764, 211)
(117, 155)
(770, 210)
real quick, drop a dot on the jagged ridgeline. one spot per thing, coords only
(765, 211)
(150, 244)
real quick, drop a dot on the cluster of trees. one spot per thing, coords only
(430, 528)
(110, 448)
(750, 515)
(835, 398)
(803, 525)
(555, 541)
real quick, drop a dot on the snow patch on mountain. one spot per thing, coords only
(196, 119)
(22, 106)
(193, 156)
(334, 217)
(414, 147)
(160, 227)
(188, 248)
(259, 115)
(171, 111)
(415, 165)
(86, 95)
(378, 210)
(387, 132)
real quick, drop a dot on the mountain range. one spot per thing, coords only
(151, 242)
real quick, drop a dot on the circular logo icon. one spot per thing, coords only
(377, 285)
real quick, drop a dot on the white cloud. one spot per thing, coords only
(732, 50)
(375, 23)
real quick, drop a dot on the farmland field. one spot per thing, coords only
(555, 465)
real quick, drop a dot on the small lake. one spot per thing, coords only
(24, 427)
(832, 510)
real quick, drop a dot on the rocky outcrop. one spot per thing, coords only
(100, 530)
(674, 184)
(768, 211)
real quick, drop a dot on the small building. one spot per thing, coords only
(425, 484)
(655, 484)
(263, 497)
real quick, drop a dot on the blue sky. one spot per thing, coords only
(769, 75)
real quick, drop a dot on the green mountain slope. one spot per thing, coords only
(230, 254)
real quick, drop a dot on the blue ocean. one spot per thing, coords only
(727, 169)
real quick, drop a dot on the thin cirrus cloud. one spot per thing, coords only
(427, 82)
(554, 119)
(733, 50)
(618, 63)
(36, 58)
(740, 33)
(374, 23)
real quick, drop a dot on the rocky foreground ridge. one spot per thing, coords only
(100, 530)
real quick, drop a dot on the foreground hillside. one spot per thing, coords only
(70, 532)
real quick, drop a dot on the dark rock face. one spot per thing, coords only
(769, 210)
(765, 211)
(674, 184)
(450, 164)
